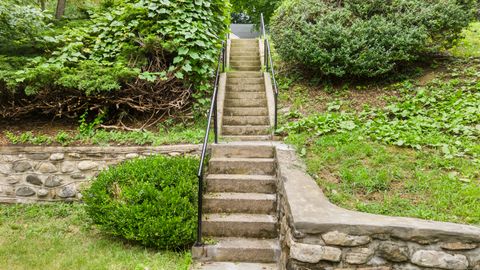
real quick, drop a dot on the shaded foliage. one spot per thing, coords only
(365, 38)
(134, 57)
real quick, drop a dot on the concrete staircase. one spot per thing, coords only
(245, 112)
(240, 204)
(240, 207)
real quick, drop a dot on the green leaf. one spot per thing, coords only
(179, 75)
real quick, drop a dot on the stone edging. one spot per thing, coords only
(48, 174)
(315, 234)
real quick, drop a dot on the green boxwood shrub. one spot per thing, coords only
(152, 201)
(365, 38)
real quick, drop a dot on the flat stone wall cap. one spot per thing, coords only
(312, 213)
(95, 149)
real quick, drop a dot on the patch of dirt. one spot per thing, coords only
(355, 95)
(328, 176)
(316, 99)
(427, 77)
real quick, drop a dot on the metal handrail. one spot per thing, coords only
(268, 60)
(212, 112)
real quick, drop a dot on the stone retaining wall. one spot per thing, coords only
(34, 174)
(316, 234)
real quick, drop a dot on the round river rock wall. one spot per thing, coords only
(45, 174)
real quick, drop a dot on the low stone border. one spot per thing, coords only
(315, 234)
(45, 174)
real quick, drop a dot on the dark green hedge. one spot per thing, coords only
(152, 201)
(365, 38)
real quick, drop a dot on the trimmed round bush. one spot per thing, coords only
(152, 201)
(365, 38)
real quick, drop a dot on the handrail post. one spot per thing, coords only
(199, 243)
(215, 121)
(224, 58)
(268, 60)
(276, 111)
(211, 113)
(265, 52)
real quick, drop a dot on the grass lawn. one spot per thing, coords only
(409, 147)
(367, 176)
(60, 236)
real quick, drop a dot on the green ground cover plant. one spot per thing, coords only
(164, 134)
(365, 38)
(62, 236)
(443, 115)
(151, 201)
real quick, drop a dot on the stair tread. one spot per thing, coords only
(239, 217)
(246, 116)
(241, 242)
(236, 159)
(251, 138)
(234, 266)
(241, 177)
(253, 126)
(240, 249)
(247, 99)
(240, 196)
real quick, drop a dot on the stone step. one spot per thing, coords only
(246, 130)
(244, 53)
(246, 88)
(237, 49)
(243, 102)
(245, 58)
(233, 266)
(241, 183)
(239, 250)
(246, 68)
(246, 120)
(247, 203)
(242, 151)
(244, 40)
(244, 48)
(243, 81)
(246, 138)
(243, 111)
(239, 225)
(245, 95)
(245, 74)
(240, 63)
(261, 166)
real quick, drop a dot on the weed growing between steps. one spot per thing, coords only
(62, 236)
(151, 201)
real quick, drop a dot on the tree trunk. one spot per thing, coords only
(42, 4)
(60, 9)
